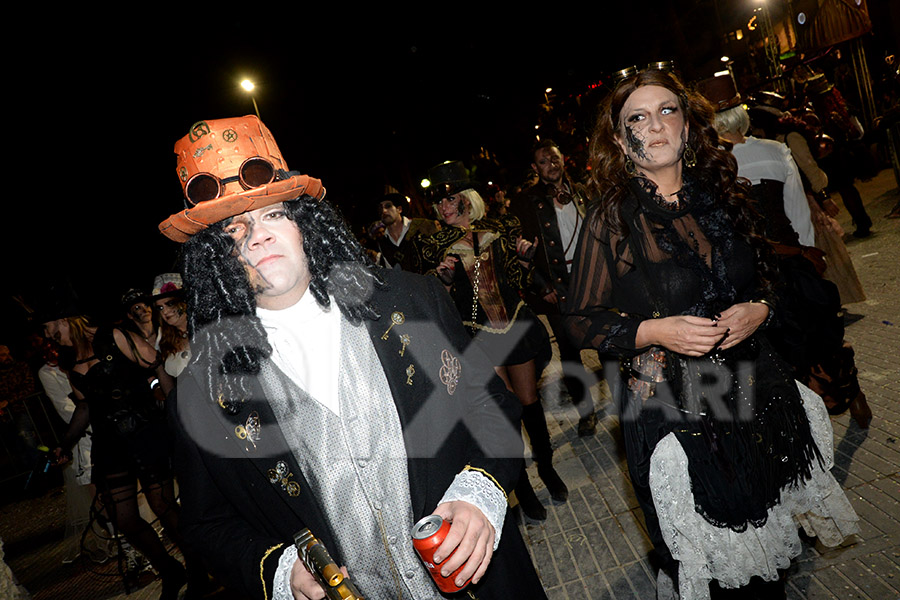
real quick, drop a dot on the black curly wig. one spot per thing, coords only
(227, 338)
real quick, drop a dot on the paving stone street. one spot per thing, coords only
(595, 545)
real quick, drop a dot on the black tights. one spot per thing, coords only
(120, 500)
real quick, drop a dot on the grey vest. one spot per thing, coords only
(357, 466)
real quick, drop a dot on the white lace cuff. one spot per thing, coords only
(281, 586)
(479, 490)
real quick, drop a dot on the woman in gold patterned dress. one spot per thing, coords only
(484, 263)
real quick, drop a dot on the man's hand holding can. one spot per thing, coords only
(460, 548)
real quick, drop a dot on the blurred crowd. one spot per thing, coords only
(527, 227)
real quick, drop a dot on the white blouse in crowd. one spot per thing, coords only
(768, 159)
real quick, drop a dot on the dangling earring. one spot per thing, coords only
(689, 157)
(629, 166)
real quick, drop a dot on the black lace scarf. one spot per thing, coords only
(717, 291)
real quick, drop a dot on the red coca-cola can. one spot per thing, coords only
(427, 535)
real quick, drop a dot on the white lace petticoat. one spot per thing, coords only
(706, 552)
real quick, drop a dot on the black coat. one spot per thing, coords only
(535, 211)
(239, 520)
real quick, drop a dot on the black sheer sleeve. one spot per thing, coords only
(592, 319)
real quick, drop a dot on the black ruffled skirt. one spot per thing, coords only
(748, 440)
(524, 339)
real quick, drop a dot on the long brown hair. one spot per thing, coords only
(716, 167)
(171, 340)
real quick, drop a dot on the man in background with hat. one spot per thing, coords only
(328, 394)
(811, 337)
(767, 164)
(396, 245)
(552, 212)
(850, 159)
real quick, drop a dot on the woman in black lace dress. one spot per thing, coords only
(111, 372)
(723, 447)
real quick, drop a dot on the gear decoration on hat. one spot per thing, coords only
(198, 130)
(230, 135)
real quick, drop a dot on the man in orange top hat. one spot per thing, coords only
(327, 393)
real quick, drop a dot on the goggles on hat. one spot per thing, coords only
(254, 172)
(629, 72)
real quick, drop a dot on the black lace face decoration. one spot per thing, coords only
(635, 143)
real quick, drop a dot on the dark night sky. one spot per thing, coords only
(357, 106)
(357, 109)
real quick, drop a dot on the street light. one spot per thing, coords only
(249, 87)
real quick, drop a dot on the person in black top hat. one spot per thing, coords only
(138, 315)
(850, 159)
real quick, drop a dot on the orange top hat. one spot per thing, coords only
(228, 167)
